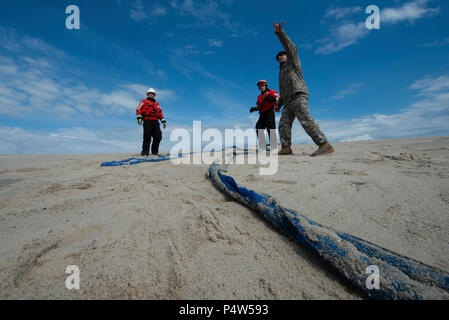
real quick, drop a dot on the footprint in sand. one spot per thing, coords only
(7, 182)
(81, 186)
(445, 197)
(346, 172)
(284, 182)
(53, 188)
(28, 170)
(252, 178)
(29, 258)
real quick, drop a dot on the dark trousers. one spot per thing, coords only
(266, 122)
(151, 129)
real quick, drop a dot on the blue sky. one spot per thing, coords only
(76, 91)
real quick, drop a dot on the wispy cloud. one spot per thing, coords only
(437, 43)
(13, 41)
(69, 140)
(158, 11)
(139, 13)
(36, 84)
(427, 116)
(215, 43)
(340, 13)
(162, 94)
(409, 11)
(349, 90)
(182, 60)
(211, 14)
(344, 31)
(430, 85)
(342, 36)
(206, 14)
(190, 50)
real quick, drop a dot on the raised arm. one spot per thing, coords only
(289, 47)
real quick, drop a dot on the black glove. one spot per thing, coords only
(253, 109)
(164, 123)
(139, 120)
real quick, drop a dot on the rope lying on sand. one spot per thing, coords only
(132, 161)
(166, 157)
(400, 277)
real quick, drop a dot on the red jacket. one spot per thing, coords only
(149, 110)
(267, 101)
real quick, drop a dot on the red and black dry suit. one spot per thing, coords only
(150, 111)
(266, 102)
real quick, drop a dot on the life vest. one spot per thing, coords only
(149, 109)
(266, 101)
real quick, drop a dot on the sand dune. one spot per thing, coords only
(160, 231)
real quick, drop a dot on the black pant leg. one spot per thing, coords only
(157, 137)
(266, 121)
(146, 137)
(270, 122)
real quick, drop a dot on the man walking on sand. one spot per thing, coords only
(295, 96)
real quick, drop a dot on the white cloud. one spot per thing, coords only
(138, 12)
(339, 13)
(210, 13)
(364, 137)
(345, 32)
(119, 98)
(215, 43)
(429, 85)
(181, 60)
(409, 11)
(70, 140)
(427, 116)
(190, 50)
(437, 43)
(158, 11)
(11, 40)
(342, 36)
(350, 89)
(207, 14)
(35, 86)
(140, 89)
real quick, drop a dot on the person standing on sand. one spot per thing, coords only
(295, 96)
(149, 111)
(266, 102)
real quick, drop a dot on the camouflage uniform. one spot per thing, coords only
(294, 95)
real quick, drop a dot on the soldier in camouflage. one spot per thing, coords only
(295, 96)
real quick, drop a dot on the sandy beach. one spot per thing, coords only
(161, 231)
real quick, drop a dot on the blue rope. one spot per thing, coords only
(401, 277)
(132, 161)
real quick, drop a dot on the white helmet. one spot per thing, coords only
(151, 90)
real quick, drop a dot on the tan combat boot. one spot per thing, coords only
(325, 148)
(285, 151)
